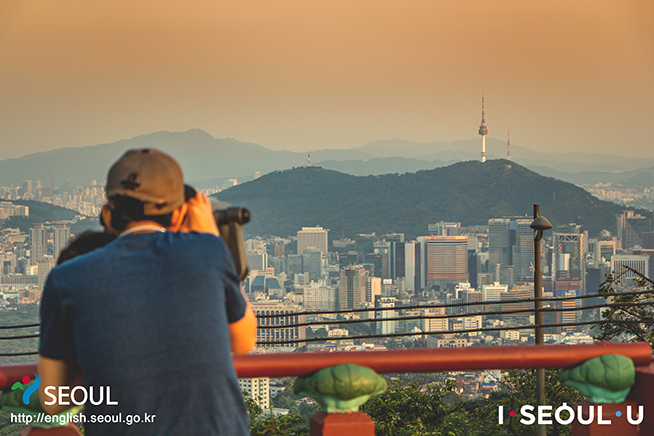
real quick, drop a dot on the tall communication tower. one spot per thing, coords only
(483, 131)
(308, 158)
(508, 145)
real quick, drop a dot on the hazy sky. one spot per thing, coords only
(563, 75)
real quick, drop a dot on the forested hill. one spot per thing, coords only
(38, 213)
(468, 192)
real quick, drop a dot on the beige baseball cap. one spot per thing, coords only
(150, 176)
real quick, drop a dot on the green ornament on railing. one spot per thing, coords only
(604, 379)
(341, 388)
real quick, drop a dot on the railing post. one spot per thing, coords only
(341, 424)
(340, 390)
(608, 410)
(641, 394)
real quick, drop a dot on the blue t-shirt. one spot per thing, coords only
(147, 315)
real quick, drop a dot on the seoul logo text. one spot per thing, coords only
(565, 415)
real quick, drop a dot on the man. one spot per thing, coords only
(149, 320)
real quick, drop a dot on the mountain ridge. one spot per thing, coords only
(468, 192)
(204, 157)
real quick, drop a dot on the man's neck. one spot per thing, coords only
(143, 226)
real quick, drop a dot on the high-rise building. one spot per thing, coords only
(638, 262)
(389, 248)
(258, 388)
(387, 327)
(257, 260)
(38, 243)
(293, 264)
(399, 263)
(434, 324)
(412, 266)
(365, 242)
(510, 248)
(522, 293)
(279, 250)
(568, 262)
(380, 262)
(473, 297)
(648, 240)
(522, 236)
(349, 258)
(373, 288)
(493, 292)
(312, 262)
(397, 237)
(630, 228)
(45, 265)
(61, 238)
(352, 290)
(569, 316)
(444, 229)
(279, 334)
(27, 186)
(498, 242)
(604, 249)
(474, 267)
(447, 259)
(312, 237)
(320, 297)
(649, 253)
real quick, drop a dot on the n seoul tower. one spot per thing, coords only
(483, 131)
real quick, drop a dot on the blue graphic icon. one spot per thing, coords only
(618, 414)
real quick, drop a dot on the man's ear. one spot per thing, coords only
(105, 213)
(179, 215)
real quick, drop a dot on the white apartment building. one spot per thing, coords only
(258, 388)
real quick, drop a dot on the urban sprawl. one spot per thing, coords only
(310, 277)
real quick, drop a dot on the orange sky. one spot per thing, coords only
(299, 75)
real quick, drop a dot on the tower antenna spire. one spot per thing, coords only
(308, 158)
(483, 130)
(508, 145)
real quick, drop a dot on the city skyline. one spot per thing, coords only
(562, 76)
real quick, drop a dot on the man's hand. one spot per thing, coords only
(199, 216)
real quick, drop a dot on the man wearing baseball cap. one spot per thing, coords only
(150, 319)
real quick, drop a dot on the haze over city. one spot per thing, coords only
(562, 76)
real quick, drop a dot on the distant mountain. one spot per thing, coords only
(496, 149)
(468, 192)
(201, 155)
(637, 179)
(206, 159)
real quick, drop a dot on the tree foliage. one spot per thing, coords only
(633, 322)
(434, 409)
(411, 409)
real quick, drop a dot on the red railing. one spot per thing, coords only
(442, 359)
(414, 360)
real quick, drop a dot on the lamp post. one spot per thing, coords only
(539, 225)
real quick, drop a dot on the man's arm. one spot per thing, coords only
(57, 373)
(198, 217)
(243, 333)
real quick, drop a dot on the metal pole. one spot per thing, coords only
(538, 318)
